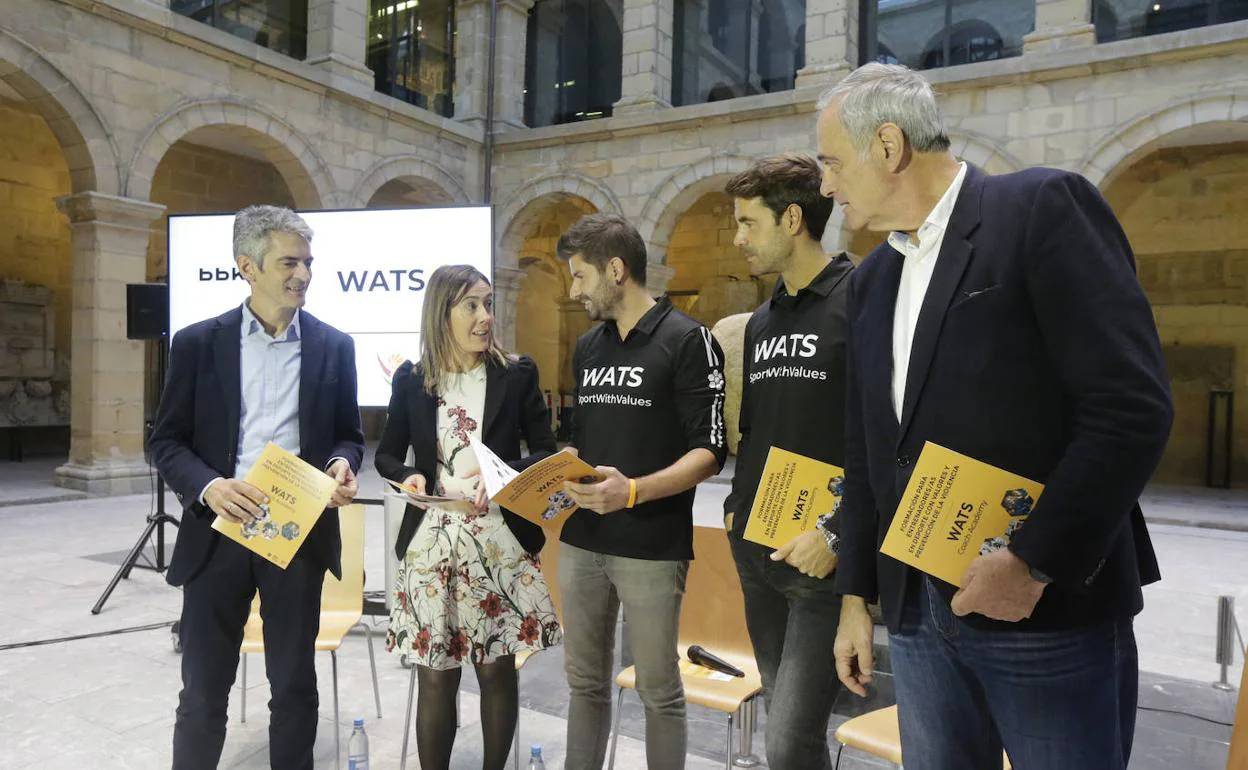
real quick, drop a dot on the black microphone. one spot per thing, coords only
(701, 657)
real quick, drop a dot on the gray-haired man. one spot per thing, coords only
(265, 371)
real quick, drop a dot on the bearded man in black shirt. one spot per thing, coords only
(649, 414)
(792, 397)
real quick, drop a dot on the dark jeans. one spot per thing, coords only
(792, 620)
(1056, 700)
(215, 605)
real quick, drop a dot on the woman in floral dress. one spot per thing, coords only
(470, 588)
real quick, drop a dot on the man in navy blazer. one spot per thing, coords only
(265, 371)
(1003, 320)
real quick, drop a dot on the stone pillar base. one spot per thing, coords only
(824, 75)
(122, 476)
(343, 67)
(634, 104)
(1061, 39)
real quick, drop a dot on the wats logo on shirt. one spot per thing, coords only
(787, 346)
(614, 377)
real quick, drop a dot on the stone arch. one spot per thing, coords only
(679, 191)
(1136, 138)
(527, 204)
(89, 149)
(305, 172)
(420, 173)
(983, 152)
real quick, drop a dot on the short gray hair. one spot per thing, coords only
(255, 225)
(875, 94)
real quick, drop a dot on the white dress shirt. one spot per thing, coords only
(916, 276)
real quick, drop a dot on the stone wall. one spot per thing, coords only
(193, 178)
(34, 236)
(1186, 214)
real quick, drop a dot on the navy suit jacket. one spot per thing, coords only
(195, 438)
(1035, 351)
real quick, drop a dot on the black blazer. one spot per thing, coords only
(195, 437)
(1035, 351)
(514, 409)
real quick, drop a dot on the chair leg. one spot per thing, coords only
(407, 723)
(747, 724)
(244, 715)
(517, 741)
(728, 760)
(615, 727)
(372, 662)
(333, 656)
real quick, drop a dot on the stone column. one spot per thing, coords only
(658, 276)
(831, 42)
(646, 70)
(338, 38)
(573, 322)
(472, 32)
(1061, 25)
(110, 237)
(507, 283)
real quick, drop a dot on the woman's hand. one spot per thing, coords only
(480, 500)
(417, 481)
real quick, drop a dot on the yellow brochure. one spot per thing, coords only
(536, 493)
(298, 494)
(794, 491)
(954, 509)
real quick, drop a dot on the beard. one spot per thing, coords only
(602, 303)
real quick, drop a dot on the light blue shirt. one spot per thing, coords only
(269, 374)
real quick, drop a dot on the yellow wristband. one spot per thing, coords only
(632, 493)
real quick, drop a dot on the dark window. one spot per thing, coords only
(727, 48)
(901, 31)
(411, 51)
(573, 54)
(280, 25)
(1123, 19)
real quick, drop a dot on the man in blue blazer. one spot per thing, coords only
(1003, 319)
(265, 371)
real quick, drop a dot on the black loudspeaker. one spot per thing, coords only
(147, 311)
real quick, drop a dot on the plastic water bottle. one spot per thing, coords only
(535, 758)
(357, 748)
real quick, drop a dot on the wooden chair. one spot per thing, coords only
(876, 733)
(1238, 758)
(712, 615)
(342, 607)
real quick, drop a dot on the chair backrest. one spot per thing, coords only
(713, 611)
(338, 597)
(347, 595)
(1239, 733)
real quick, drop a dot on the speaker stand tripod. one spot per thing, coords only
(155, 521)
(155, 524)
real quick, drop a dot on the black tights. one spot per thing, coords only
(435, 712)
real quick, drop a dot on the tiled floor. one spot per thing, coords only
(106, 701)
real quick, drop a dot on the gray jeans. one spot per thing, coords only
(592, 586)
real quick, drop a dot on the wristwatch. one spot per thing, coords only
(1039, 576)
(824, 525)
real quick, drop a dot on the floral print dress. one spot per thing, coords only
(466, 591)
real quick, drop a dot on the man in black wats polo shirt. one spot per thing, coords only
(649, 414)
(792, 397)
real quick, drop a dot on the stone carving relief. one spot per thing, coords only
(34, 387)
